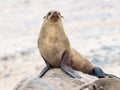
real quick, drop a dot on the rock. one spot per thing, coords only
(54, 79)
(103, 84)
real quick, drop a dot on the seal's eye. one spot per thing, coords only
(49, 14)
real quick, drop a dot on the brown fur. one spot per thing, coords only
(53, 42)
(80, 63)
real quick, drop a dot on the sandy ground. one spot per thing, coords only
(93, 28)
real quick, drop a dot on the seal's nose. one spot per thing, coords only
(55, 13)
(55, 16)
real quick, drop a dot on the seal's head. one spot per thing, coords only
(53, 16)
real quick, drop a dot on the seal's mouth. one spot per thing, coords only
(55, 16)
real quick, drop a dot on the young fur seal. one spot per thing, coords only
(55, 49)
(103, 84)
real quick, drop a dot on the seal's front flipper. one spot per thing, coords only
(98, 72)
(66, 66)
(48, 66)
(44, 70)
(70, 71)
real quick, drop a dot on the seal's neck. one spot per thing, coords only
(49, 26)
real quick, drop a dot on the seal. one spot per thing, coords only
(54, 45)
(56, 51)
(103, 84)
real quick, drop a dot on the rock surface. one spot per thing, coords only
(54, 79)
(103, 84)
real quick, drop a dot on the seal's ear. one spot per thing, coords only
(44, 17)
(62, 17)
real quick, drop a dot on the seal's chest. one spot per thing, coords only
(53, 39)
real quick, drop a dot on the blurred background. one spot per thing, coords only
(92, 26)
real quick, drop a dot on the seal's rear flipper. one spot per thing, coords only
(98, 72)
(66, 66)
(111, 76)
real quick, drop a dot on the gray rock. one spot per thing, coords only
(54, 79)
(103, 84)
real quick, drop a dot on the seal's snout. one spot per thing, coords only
(54, 12)
(55, 16)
